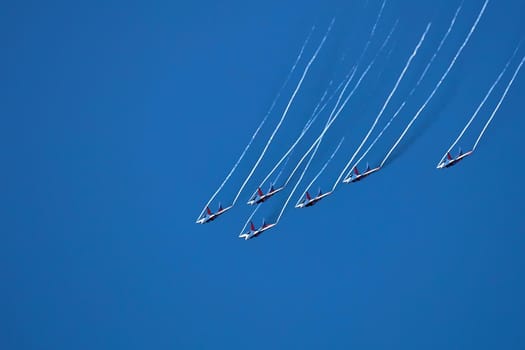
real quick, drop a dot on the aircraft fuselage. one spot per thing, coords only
(264, 197)
(360, 177)
(454, 161)
(212, 217)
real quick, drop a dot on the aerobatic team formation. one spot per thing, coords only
(334, 103)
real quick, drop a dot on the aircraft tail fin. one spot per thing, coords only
(208, 210)
(220, 207)
(308, 195)
(252, 226)
(356, 171)
(449, 156)
(320, 192)
(367, 167)
(260, 192)
(460, 151)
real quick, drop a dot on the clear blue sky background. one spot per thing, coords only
(119, 119)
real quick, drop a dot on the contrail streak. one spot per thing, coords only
(261, 124)
(298, 182)
(425, 71)
(380, 134)
(315, 115)
(378, 18)
(443, 77)
(322, 170)
(285, 111)
(445, 37)
(372, 32)
(333, 117)
(401, 76)
(499, 103)
(480, 105)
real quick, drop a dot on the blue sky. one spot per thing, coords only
(120, 119)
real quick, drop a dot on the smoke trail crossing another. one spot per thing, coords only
(499, 103)
(401, 76)
(270, 110)
(480, 106)
(285, 112)
(443, 77)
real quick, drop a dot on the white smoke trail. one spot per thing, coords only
(285, 111)
(425, 71)
(480, 105)
(372, 33)
(378, 18)
(315, 115)
(261, 124)
(334, 116)
(443, 77)
(401, 76)
(443, 40)
(298, 182)
(380, 134)
(499, 103)
(321, 171)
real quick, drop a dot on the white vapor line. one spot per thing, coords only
(443, 77)
(343, 105)
(298, 181)
(285, 111)
(307, 126)
(480, 105)
(381, 133)
(378, 18)
(445, 37)
(372, 32)
(401, 76)
(499, 103)
(262, 122)
(280, 172)
(332, 117)
(425, 71)
(321, 171)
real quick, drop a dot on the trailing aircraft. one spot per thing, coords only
(449, 161)
(260, 196)
(308, 201)
(253, 232)
(356, 176)
(210, 216)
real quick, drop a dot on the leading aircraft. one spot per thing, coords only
(356, 176)
(308, 201)
(449, 161)
(210, 216)
(260, 196)
(253, 232)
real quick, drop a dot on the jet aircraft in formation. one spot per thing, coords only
(308, 201)
(356, 176)
(209, 216)
(260, 196)
(253, 232)
(449, 161)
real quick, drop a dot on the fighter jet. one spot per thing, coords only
(260, 197)
(449, 161)
(209, 216)
(253, 233)
(308, 201)
(356, 176)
